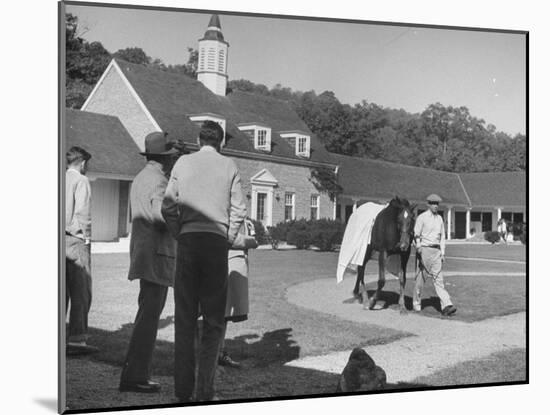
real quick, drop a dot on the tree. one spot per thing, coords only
(325, 181)
(85, 62)
(133, 55)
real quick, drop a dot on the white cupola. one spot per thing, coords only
(212, 66)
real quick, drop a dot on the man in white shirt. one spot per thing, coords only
(78, 232)
(429, 234)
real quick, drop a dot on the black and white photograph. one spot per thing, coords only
(259, 206)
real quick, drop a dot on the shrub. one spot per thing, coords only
(299, 234)
(261, 236)
(325, 233)
(492, 236)
(276, 234)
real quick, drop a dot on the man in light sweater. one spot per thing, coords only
(78, 232)
(204, 209)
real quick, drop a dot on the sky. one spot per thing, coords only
(389, 65)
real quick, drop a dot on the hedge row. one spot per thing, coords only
(322, 233)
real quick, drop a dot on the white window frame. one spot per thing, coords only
(257, 128)
(317, 205)
(306, 152)
(292, 205)
(268, 219)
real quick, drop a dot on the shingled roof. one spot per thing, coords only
(496, 189)
(171, 98)
(112, 148)
(379, 179)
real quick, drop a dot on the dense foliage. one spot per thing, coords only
(492, 236)
(441, 137)
(323, 233)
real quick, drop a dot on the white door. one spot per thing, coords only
(105, 194)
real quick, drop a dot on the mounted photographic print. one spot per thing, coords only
(264, 207)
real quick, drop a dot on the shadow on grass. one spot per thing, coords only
(263, 374)
(391, 299)
(273, 348)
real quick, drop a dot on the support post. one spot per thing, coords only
(449, 216)
(468, 222)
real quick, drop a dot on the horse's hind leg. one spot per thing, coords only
(382, 257)
(360, 291)
(359, 282)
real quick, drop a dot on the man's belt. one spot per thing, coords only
(433, 246)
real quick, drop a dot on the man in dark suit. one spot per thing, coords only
(152, 261)
(204, 209)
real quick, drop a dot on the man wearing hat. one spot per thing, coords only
(429, 234)
(152, 261)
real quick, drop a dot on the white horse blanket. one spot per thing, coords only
(356, 238)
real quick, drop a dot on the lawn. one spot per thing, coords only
(511, 252)
(276, 332)
(477, 297)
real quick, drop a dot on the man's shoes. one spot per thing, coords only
(80, 348)
(449, 310)
(140, 387)
(417, 308)
(225, 360)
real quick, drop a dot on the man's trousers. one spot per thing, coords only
(431, 267)
(151, 301)
(78, 287)
(201, 279)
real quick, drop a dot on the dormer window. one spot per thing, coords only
(198, 119)
(259, 134)
(300, 141)
(303, 146)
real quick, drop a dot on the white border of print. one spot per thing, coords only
(29, 208)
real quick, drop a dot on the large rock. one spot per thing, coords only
(361, 374)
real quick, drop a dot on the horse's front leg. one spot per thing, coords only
(403, 281)
(382, 258)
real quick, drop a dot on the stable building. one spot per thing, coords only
(272, 146)
(472, 202)
(114, 164)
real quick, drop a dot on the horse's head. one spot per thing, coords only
(405, 221)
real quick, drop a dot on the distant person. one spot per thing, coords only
(502, 230)
(204, 210)
(152, 261)
(429, 234)
(78, 233)
(236, 309)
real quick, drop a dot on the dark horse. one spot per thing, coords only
(392, 234)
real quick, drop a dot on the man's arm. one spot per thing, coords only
(442, 240)
(417, 229)
(169, 208)
(82, 207)
(237, 211)
(157, 197)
